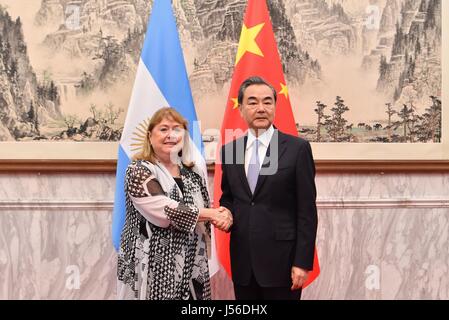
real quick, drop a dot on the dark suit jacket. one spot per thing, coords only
(275, 228)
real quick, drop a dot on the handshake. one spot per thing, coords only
(222, 219)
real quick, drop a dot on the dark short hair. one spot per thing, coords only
(251, 81)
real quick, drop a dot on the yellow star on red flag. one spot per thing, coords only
(284, 90)
(247, 41)
(235, 102)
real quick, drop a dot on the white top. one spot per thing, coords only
(264, 142)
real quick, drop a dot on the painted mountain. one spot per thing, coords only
(358, 70)
(25, 103)
(381, 70)
(87, 52)
(84, 68)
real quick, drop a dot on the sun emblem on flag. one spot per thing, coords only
(139, 136)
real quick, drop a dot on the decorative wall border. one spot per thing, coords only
(377, 204)
(321, 166)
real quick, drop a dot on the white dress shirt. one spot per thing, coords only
(264, 142)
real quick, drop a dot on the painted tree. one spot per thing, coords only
(409, 98)
(390, 112)
(430, 130)
(31, 113)
(13, 71)
(47, 90)
(97, 114)
(70, 120)
(36, 122)
(87, 83)
(404, 116)
(111, 52)
(112, 113)
(319, 124)
(53, 93)
(413, 124)
(336, 123)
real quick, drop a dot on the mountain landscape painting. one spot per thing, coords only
(357, 70)
(380, 70)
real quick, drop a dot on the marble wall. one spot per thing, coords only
(55, 237)
(383, 237)
(379, 237)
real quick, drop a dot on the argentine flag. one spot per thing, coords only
(161, 81)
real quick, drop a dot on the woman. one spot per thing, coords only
(164, 244)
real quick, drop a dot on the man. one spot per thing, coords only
(268, 185)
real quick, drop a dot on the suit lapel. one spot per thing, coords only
(270, 165)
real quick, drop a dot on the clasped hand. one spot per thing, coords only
(222, 219)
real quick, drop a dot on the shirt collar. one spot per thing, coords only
(264, 138)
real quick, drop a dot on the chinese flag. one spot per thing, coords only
(257, 55)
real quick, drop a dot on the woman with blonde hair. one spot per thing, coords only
(166, 238)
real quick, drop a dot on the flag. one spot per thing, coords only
(257, 55)
(161, 80)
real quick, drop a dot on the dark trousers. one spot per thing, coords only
(255, 292)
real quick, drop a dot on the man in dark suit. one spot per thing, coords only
(268, 185)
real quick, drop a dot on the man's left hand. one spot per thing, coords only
(299, 276)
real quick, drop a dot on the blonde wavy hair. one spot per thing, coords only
(168, 113)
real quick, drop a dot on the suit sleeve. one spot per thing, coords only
(226, 199)
(307, 219)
